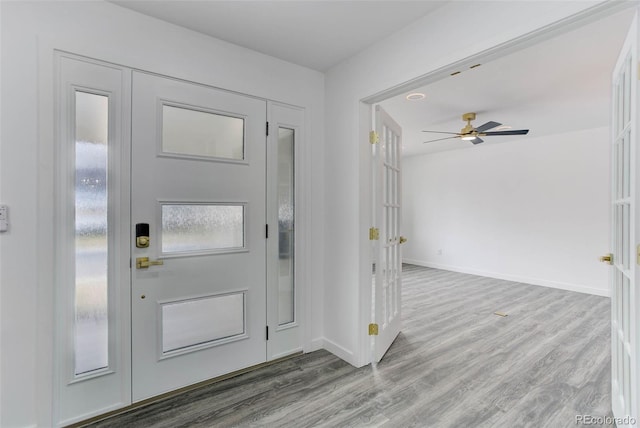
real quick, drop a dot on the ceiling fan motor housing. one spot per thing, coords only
(469, 117)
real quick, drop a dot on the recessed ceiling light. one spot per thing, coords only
(503, 127)
(415, 96)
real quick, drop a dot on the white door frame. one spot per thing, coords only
(366, 108)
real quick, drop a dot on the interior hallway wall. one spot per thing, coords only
(532, 210)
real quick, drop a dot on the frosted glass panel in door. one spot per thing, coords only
(199, 133)
(286, 230)
(201, 227)
(91, 242)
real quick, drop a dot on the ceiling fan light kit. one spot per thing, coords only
(469, 133)
(415, 96)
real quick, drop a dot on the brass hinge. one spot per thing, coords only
(607, 258)
(373, 137)
(373, 329)
(374, 234)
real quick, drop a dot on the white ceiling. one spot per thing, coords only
(559, 85)
(315, 34)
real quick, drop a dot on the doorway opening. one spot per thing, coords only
(529, 209)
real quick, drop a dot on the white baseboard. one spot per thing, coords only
(516, 278)
(315, 345)
(339, 351)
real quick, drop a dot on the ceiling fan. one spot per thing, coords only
(469, 133)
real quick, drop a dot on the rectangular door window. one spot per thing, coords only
(286, 226)
(91, 227)
(191, 132)
(202, 227)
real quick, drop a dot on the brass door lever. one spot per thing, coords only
(144, 262)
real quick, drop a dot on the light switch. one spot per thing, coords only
(4, 218)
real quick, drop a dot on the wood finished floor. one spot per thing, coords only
(455, 364)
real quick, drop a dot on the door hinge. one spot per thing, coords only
(373, 137)
(267, 130)
(267, 331)
(373, 329)
(266, 231)
(374, 233)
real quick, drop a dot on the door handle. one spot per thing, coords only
(403, 239)
(607, 258)
(144, 262)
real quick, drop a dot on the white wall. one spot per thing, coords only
(534, 210)
(30, 32)
(448, 35)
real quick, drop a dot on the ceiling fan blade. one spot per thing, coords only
(513, 132)
(487, 126)
(477, 140)
(439, 139)
(441, 132)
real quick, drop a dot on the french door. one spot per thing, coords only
(387, 284)
(624, 259)
(199, 254)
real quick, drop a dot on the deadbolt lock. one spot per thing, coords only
(142, 235)
(144, 262)
(607, 258)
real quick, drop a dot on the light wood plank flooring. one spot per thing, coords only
(455, 364)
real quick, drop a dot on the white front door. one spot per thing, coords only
(387, 177)
(624, 298)
(198, 193)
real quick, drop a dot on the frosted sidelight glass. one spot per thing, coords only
(200, 321)
(202, 227)
(91, 226)
(286, 229)
(199, 133)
